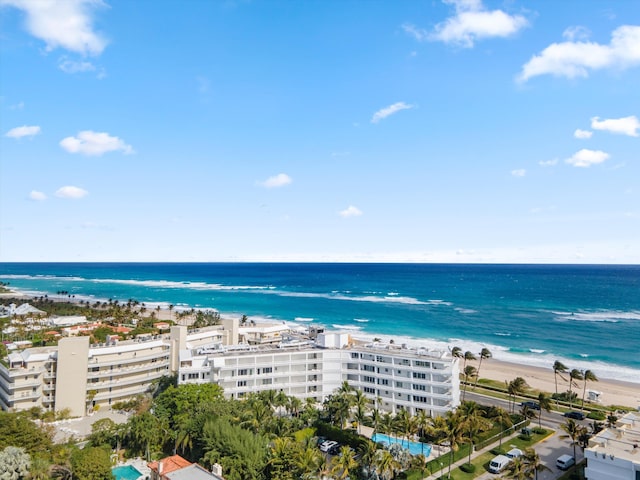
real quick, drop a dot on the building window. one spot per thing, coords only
(267, 381)
(244, 371)
(420, 387)
(368, 379)
(368, 368)
(383, 381)
(354, 355)
(419, 399)
(369, 390)
(242, 383)
(399, 385)
(420, 363)
(267, 370)
(423, 376)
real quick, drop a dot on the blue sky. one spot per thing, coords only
(431, 131)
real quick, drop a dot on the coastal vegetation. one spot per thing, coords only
(267, 435)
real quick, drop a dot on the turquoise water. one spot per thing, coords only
(586, 316)
(126, 472)
(416, 448)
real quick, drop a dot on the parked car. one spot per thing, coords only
(328, 445)
(531, 405)
(564, 462)
(514, 453)
(335, 450)
(575, 415)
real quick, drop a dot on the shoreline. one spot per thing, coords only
(614, 391)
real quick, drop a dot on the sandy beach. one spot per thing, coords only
(613, 392)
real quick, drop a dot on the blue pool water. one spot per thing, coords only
(416, 448)
(126, 472)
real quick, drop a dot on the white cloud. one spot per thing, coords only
(66, 24)
(71, 192)
(277, 181)
(390, 110)
(548, 163)
(24, 131)
(473, 22)
(520, 172)
(582, 134)
(17, 106)
(94, 143)
(575, 59)
(350, 211)
(72, 66)
(624, 126)
(36, 195)
(586, 158)
(576, 33)
(417, 33)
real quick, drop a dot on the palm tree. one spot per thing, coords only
(574, 374)
(454, 433)
(574, 431)
(544, 402)
(515, 387)
(456, 352)
(367, 450)
(385, 464)
(468, 356)
(473, 421)
(502, 416)
(485, 354)
(344, 463)
(558, 369)
(469, 371)
(375, 418)
(309, 461)
(587, 376)
(532, 462)
(422, 422)
(517, 470)
(360, 401)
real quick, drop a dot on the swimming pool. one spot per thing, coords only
(415, 448)
(126, 472)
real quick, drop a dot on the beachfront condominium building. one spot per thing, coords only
(80, 377)
(614, 453)
(392, 376)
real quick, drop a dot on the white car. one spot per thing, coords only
(327, 445)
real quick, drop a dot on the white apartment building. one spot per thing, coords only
(614, 453)
(78, 376)
(398, 377)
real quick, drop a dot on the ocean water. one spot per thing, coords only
(585, 316)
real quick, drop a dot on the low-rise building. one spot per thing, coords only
(178, 468)
(614, 453)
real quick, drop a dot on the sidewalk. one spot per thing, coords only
(476, 453)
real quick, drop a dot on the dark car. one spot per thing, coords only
(575, 415)
(531, 405)
(335, 450)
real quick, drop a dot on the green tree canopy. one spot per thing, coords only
(91, 463)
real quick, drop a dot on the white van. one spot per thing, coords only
(564, 462)
(499, 463)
